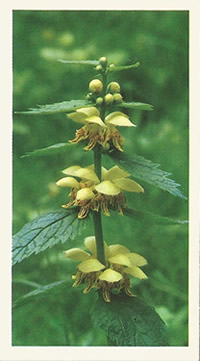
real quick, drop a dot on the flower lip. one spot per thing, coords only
(90, 265)
(110, 276)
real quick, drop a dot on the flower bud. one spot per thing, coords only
(95, 86)
(99, 100)
(117, 98)
(99, 68)
(108, 98)
(112, 66)
(103, 61)
(114, 87)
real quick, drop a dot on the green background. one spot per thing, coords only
(159, 40)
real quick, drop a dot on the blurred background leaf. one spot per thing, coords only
(159, 41)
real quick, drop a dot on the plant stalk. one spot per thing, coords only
(97, 167)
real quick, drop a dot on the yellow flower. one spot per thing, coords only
(119, 264)
(98, 132)
(112, 135)
(93, 129)
(90, 193)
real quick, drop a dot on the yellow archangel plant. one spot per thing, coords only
(89, 193)
(120, 264)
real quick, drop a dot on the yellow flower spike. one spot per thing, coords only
(120, 259)
(77, 254)
(119, 119)
(84, 194)
(110, 276)
(128, 185)
(107, 187)
(68, 182)
(135, 272)
(115, 172)
(71, 170)
(117, 248)
(90, 265)
(137, 260)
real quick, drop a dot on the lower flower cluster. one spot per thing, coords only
(120, 264)
(89, 193)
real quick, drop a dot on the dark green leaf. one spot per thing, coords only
(63, 107)
(51, 150)
(46, 231)
(125, 67)
(147, 171)
(136, 105)
(40, 292)
(80, 62)
(150, 217)
(128, 321)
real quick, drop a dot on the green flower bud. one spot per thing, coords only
(108, 98)
(99, 100)
(103, 61)
(89, 96)
(95, 86)
(99, 68)
(112, 66)
(117, 98)
(114, 87)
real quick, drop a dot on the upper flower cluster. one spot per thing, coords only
(120, 264)
(88, 192)
(96, 131)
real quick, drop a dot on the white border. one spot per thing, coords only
(7, 352)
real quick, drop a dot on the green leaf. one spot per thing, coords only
(80, 62)
(40, 292)
(51, 150)
(46, 231)
(150, 217)
(147, 171)
(63, 107)
(128, 321)
(124, 67)
(136, 105)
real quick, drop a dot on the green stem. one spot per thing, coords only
(97, 167)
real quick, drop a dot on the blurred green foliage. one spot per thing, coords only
(159, 40)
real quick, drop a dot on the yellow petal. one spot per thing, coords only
(71, 170)
(119, 119)
(128, 185)
(68, 182)
(117, 248)
(110, 276)
(95, 120)
(114, 173)
(90, 265)
(77, 254)
(135, 272)
(90, 243)
(87, 173)
(84, 194)
(89, 111)
(107, 187)
(77, 117)
(137, 260)
(120, 259)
